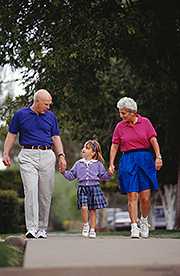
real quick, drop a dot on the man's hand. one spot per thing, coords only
(6, 160)
(62, 164)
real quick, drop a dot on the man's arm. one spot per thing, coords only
(58, 149)
(8, 145)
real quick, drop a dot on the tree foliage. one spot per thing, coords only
(90, 53)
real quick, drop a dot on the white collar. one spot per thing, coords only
(88, 161)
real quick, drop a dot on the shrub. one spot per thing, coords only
(11, 214)
(11, 180)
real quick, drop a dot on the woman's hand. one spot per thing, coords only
(158, 163)
(111, 169)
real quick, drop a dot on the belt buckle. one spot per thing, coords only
(38, 147)
(32, 147)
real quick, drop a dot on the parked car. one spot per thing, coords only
(122, 220)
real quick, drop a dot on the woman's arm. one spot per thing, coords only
(156, 148)
(113, 152)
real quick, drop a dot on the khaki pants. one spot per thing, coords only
(37, 168)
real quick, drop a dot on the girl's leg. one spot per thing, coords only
(84, 214)
(92, 233)
(92, 213)
(85, 228)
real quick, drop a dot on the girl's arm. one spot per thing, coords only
(104, 175)
(71, 174)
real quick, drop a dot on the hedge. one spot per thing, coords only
(11, 212)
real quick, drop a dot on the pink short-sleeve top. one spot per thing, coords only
(132, 137)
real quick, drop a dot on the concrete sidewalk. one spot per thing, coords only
(74, 251)
(71, 255)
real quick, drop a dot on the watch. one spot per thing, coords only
(61, 154)
(159, 157)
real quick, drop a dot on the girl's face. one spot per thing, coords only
(87, 152)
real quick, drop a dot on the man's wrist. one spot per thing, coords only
(61, 154)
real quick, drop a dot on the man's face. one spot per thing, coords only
(43, 105)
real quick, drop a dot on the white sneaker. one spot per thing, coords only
(31, 234)
(41, 234)
(92, 234)
(85, 230)
(135, 231)
(144, 227)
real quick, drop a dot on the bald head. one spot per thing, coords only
(42, 101)
(42, 94)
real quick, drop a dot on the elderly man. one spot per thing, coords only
(40, 141)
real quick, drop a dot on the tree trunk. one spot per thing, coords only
(168, 198)
(178, 200)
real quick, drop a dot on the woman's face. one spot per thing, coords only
(127, 115)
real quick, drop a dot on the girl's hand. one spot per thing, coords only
(158, 163)
(111, 169)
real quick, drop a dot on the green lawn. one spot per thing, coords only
(10, 256)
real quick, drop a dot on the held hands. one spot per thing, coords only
(111, 169)
(62, 164)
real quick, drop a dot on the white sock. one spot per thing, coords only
(144, 219)
(92, 229)
(133, 225)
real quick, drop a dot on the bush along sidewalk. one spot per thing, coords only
(10, 256)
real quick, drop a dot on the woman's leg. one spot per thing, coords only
(133, 206)
(145, 202)
(133, 213)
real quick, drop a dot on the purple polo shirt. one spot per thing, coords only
(137, 136)
(88, 173)
(34, 129)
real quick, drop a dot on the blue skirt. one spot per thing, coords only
(137, 171)
(91, 196)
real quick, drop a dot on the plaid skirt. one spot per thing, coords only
(91, 196)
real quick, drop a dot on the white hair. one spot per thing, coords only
(128, 103)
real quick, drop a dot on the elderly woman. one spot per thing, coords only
(135, 137)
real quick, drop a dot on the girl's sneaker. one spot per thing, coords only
(85, 230)
(92, 234)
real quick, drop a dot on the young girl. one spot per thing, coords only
(89, 171)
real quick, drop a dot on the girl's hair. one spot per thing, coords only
(95, 146)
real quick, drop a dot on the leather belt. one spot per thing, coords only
(36, 147)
